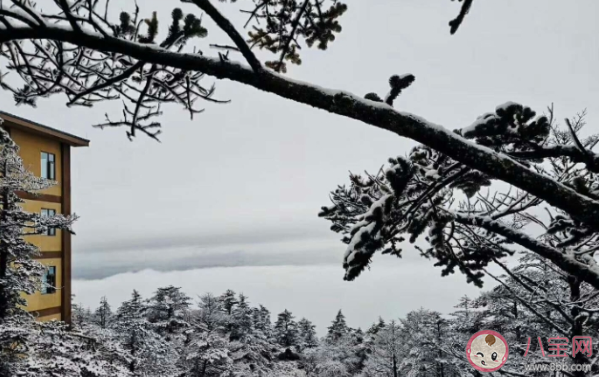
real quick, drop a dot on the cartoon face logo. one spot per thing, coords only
(487, 351)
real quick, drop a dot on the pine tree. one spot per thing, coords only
(376, 327)
(286, 329)
(80, 316)
(206, 355)
(103, 313)
(386, 352)
(241, 319)
(210, 316)
(130, 323)
(229, 300)
(262, 322)
(307, 334)
(166, 310)
(338, 328)
(148, 350)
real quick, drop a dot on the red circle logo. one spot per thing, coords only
(487, 351)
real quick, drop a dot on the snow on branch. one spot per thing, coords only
(470, 223)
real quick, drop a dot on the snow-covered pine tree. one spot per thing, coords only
(262, 321)
(307, 334)
(286, 329)
(149, 351)
(206, 355)
(346, 357)
(209, 316)
(229, 300)
(376, 327)
(386, 352)
(242, 322)
(167, 310)
(536, 299)
(338, 328)
(80, 316)
(425, 337)
(103, 313)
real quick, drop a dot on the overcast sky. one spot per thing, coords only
(242, 183)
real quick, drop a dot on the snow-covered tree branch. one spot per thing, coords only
(472, 221)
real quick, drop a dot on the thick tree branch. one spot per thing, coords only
(342, 103)
(566, 263)
(574, 153)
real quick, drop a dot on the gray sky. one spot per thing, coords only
(241, 184)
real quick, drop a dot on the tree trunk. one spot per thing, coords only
(3, 250)
(577, 327)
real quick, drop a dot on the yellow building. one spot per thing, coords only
(47, 152)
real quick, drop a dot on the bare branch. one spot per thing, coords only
(228, 28)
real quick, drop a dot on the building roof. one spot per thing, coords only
(19, 123)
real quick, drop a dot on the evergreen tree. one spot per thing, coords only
(261, 320)
(286, 329)
(376, 327)
(148, 350)
(166, 310)
(210, 316)
(103, 313)
(80, 316)
(229, 300)
(307, 334)
(242, 319)
(338, 328)
(206, 355)
(386, 352)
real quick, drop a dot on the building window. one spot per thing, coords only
(49, 213)
(48, 166)
(49, 281)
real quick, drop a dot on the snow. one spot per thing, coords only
(22, 14)
(351, 251)
(330, 92)
(380, 203)
(505, 105)
(480, 120)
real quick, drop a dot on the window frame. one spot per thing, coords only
(50, 232)
(49, 287)
(48, 170)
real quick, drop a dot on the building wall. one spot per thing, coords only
(45, 243)
(38, 301)
(31, 146)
